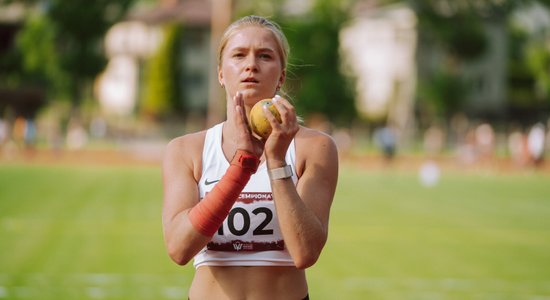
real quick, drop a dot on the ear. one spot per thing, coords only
(220, 76)
(282, 78)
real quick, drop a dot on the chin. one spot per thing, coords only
(251, 97)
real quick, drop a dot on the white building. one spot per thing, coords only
(378, 48)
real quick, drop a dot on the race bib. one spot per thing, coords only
(251, 225)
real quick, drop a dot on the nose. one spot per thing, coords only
(251, 63)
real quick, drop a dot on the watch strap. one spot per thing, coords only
(280, 173)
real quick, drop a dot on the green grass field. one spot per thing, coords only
(94, 232)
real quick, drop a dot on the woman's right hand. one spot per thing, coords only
(246, 140)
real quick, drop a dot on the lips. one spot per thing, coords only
(250, 80)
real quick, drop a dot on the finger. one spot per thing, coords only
(239, 109)
(286, 110)
(243, 111)
(275, 125)
(283, 102)
(238, 99)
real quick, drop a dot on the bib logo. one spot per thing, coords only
(238, 246)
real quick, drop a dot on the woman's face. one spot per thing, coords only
(251, 64)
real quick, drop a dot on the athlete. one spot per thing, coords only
(252, 214)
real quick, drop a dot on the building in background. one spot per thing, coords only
(127, 44)
(130, 43)
(378, 48)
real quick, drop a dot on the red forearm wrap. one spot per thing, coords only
(208, 215)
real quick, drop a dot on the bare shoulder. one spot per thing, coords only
(308, 140)
(186, 145)
(187, 141)
(314, 146)
(185, 151)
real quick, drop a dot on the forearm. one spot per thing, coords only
(303, 209)
(303, 232)
(207, 216)
(182, 240)
(190, 229)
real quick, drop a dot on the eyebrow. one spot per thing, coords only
(264, 49)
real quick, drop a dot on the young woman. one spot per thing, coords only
(252, 213)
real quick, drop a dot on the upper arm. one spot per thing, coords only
(319, 175)
(179, 171)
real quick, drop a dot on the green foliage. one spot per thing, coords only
(460, 33)
(464, 38)
(442, 93)
(520, 87)
(475, 8)
(528, 77)
(161, 76)
(520, 78)
(457, 31)
(314, 77)
(36, 42)
(62, 46)
(10, 67)
(538, 62)
(457, 28)
(81, 26)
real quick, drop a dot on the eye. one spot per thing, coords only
(265, 56)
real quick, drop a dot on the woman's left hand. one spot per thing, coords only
(282, 133)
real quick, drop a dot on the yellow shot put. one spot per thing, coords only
(259, 122)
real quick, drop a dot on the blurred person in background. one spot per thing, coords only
(434, 141)
(485, 142)
(386, 140)
(252, 213)
(518, 147)
(536, 144)
(3, 131)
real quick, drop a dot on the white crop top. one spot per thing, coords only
(250, 235)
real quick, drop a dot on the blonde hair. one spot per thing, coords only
(262, 22)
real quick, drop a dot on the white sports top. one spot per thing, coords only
(250, 235)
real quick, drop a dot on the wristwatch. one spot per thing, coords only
(280, 173)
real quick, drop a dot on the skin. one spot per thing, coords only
(251, 71)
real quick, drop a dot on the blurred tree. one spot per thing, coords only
(10, 59)
(529, 63)
(521, 81)
(161, 77)
(40, 62)
(538, 61)
(457, 28)
(314, 78)
(69, 52)
(444, 91)
(23, 80)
